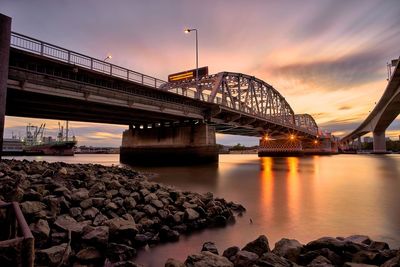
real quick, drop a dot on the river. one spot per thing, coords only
(302, 198)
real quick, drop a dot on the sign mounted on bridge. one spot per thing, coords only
(187, 75)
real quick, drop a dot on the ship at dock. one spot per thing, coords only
(36, 143)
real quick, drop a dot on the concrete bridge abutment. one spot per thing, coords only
(5, 37)
(379, 142)
(173, 145)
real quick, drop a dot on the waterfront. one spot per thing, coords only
(302, 198)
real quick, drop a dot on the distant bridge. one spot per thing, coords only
(48, 81)
(387, 109)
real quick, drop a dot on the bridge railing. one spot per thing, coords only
(38, 47)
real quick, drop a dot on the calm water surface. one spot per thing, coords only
(302, 198)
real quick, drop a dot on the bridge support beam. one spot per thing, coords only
(379, 142)
(175, 145)
(5, 37)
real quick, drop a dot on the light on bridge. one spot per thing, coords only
(292, 137)
(315, 142)
(266, 137)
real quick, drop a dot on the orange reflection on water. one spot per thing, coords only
(267, 183)
(293, 188)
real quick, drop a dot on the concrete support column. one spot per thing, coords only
(173, 145)
(5, 38)
(359, 143)
(379, 142)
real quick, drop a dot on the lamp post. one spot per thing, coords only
(197, 55)
(108, 57)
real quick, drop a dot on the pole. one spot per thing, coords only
(197, 62)
(5, 38)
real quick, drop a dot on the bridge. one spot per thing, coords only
(383, 114)
(43, 80)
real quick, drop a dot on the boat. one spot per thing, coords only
(12, 146)
(35, 143)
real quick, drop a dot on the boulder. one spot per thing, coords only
(41, 232)
(79, 194)
(32, 207)
(166, 234)
(210, 246)
(331, 243)
(207, 259)
(90, 213)
(288, 248)
(87, 203)
(119, 252)
(320, 261)
(258, 246)
(245, 258)
(149, 209)
(122, 227)
(174, 263)
(359, 239)
(89, 255)
(67, 223)
(230, 253)
(75, 212)
(352, 264)
(394, 262)
(52, 256)
(270, 259)
(97, 236)
(191, 214)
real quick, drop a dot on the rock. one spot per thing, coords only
(258, 246)
(326, 242)
(79, 194)
(352, 264)
(191, 214)
(41, 232)
(320, 261)
(97, 236)
(174, 263)
(270, 259)
(245, 258)
(112, 206)
(75, 212)
(210, 246)
(376, 245)
(52, 256)
(230, 253)
(99, 219)
(90, 213)
(98, 201)
(365, 256)
(166, 234)
(122, 227)
(394, 262)
(119, 252)
(207, 259)
(288, 248)
(32, 207)
(149, 209)
(157, 203)
(130, 203)
(141, 240)
(68, 223)
(359, 239)
(63, 171)
(89, 255)
(86, 203)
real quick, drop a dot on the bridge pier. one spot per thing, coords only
(5, 37)
(379, 142)
(174, 145)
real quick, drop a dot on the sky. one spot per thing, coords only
(326, 57)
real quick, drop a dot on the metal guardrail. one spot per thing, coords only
(16, 239)
(38, 47)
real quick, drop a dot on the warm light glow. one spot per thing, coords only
(187, 30)
(292, 137)
(315, 141)
(266, 137)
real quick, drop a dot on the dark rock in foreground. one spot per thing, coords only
(353, 251)
(92, 215)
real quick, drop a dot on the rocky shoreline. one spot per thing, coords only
(352, 251)
(92, 215)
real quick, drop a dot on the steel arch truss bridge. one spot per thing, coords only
(245, 105)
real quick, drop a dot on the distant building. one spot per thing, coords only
(368, 139)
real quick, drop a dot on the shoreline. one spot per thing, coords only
(110, 212)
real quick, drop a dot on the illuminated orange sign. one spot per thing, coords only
(187, 75)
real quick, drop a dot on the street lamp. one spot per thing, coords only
(197, 54)
(108, 57)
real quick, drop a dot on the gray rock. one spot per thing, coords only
(191, 214)
(90, 213)
(320, 261)
(150, 210)
(230, 253)
(97, 236)
(75, 211)
(377, 245)
(207, 259)
(98, 201)
(166, 234)
(245, 258)
(270, 259)
(32, 207)
(331, 243)
(87, 203)
(157, 203)
(99, 219)
(68, 223)
(394, 262)
(352, 264)
(359, 239)
(130, 203)
(288, 248)
(122, 227)
(89, 255)
(258, 246)
(174, 263)
(112, 206)
(41, 232)
(52, 256)
(79, 194)
(119, 252)
(210, 246)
